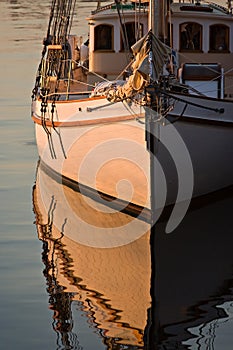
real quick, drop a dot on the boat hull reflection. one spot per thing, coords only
(112, 283)
(192, 274)
(141, 291)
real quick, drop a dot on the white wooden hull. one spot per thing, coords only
(107, 154)
(208, 136)
(208, 146)
(105, 150)
(202, 108)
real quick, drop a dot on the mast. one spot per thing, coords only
(157, 18)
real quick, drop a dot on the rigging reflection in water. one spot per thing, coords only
(154, 292)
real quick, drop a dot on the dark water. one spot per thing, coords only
(57, 294)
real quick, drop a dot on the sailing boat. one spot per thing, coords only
(96, 115)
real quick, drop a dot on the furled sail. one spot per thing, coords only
(151, 55)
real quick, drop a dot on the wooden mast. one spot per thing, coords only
(157, 18)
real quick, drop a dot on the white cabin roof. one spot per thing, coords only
(204, 9)
(109, 11)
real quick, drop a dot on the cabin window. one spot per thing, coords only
(190, 37)
(219, 38)
(103, 37)
(134, 32)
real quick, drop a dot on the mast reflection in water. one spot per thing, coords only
(150, 290)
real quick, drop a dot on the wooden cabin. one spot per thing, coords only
(199, 32)
(203, 33)
(109, 53)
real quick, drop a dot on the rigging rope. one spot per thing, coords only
(60, 21)
(123, 28)
(171, 95)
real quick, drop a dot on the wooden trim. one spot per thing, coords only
(54, 47)
(40, 121)
(73, 101)
(81, 100)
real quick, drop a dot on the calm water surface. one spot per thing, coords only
(57, 294)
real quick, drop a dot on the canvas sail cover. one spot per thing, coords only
(150, 57)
